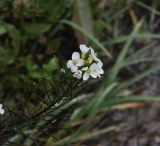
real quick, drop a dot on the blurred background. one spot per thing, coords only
(46, 107)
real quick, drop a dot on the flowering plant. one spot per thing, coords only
(86, 64)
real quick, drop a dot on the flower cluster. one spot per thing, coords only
(1, 109)
(85, 64)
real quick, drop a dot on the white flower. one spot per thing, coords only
(1, 110)
(75, 62)
(94, 71)
(86, 64)
(92, 56)
(78, 74)
(84, 49)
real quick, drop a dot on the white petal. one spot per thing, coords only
(75, 75)
(74, 68)
(100, 64)
(85, 68)
(84, 49)
(70, 64)
(78, 74)
(94, 66)
(85, 76)
(75, 56)
(2, 111)
(80, 62)
(94, 75)
(92, 51)
(101, 71)
(99, 75)
(95, 58)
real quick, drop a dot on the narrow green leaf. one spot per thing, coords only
(120, 61)
(135, 79)
(122, 38)
(141, 60)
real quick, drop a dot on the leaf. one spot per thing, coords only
(36, 29)
(32, 69)
(54, 9)
(51, 65)
(14, 33)
(140, 76)
(128, 105)
(3, 29)
(121, 58)
(6, 57)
